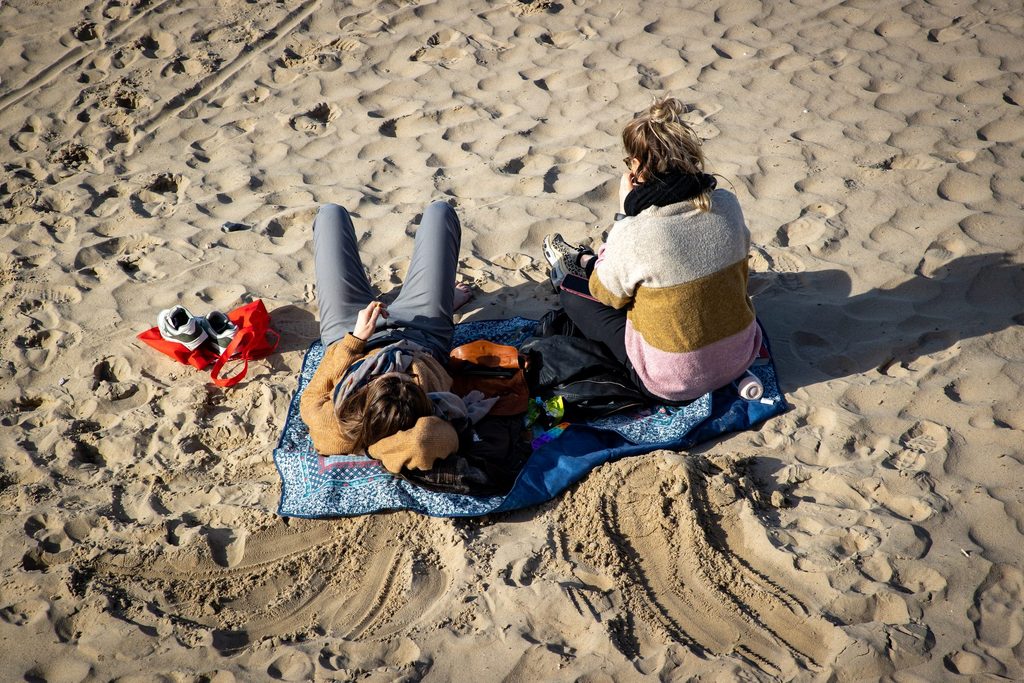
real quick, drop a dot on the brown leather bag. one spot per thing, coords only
(494, 370)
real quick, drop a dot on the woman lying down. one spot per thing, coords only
(381, 387)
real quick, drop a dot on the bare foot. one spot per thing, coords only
(463, 293)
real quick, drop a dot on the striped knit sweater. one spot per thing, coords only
(682, 275)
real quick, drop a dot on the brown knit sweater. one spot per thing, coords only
(429, 440)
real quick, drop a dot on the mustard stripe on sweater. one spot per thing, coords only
(702, 311)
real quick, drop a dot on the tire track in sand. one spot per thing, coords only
(345, 577)
(691, 571)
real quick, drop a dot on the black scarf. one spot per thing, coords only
(667, 188)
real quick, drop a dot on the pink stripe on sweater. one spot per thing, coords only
(685, 376)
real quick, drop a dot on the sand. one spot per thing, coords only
(872, 532)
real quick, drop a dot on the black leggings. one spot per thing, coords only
(605, 325)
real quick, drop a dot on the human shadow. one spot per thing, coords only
(297, 325)
(528, 300)
(819, 331)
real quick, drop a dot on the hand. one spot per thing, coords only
(626, 184)
(366, 321)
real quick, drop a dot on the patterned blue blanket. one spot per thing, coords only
(318, 486)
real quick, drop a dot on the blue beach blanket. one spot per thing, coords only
(316, 486)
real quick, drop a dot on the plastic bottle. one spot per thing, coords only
(749, 387)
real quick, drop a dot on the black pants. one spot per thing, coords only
(605, 325)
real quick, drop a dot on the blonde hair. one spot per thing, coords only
(662, 141)
(386, 405)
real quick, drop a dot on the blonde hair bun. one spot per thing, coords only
(667, 110)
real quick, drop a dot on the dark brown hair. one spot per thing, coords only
(386, 405)
(662, 141)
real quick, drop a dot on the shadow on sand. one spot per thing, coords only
(819, 331)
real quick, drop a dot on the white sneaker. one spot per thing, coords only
(219, 329)
(177, 324)
(564, 259)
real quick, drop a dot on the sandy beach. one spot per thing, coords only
(873, 532)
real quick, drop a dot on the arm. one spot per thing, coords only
(317, 404)
(614, 279)
(610, 281)
(626, 184)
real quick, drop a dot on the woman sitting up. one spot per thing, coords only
(381, 387)
(670, 283)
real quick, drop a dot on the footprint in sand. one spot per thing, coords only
(973, 69)
(442, 48)
(46, 336)
(391, 659)
(28, 138)
(25, 612)
(112, 381)
(524, 570)
(158, 44)
(256, 95)
(925, 437)
(920, 441)
(839, 519)
(917, 577)
(291, 666)
(649, 78)
(56, 201)
(964, 187)
(160, 195)
(528, 7)
(52, 293)
(95, 71)
(523, 264)
(914, 162)
(87, 31)
(124, 96)
(947, 34)
(60, 669)
(914, 499)
(52, 544)
(897, 28)
(1009, 128)
(315, 120)
(777, 266)
(221, 297)
(907, 461)
(814, 226)
(998, 610)
(938, 254)
(312, 55)
(125, 56)
(129, 254)
(72, 157)
(292, 225)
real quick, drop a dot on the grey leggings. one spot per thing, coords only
(422, 312)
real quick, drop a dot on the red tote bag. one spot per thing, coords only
(254, 339)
